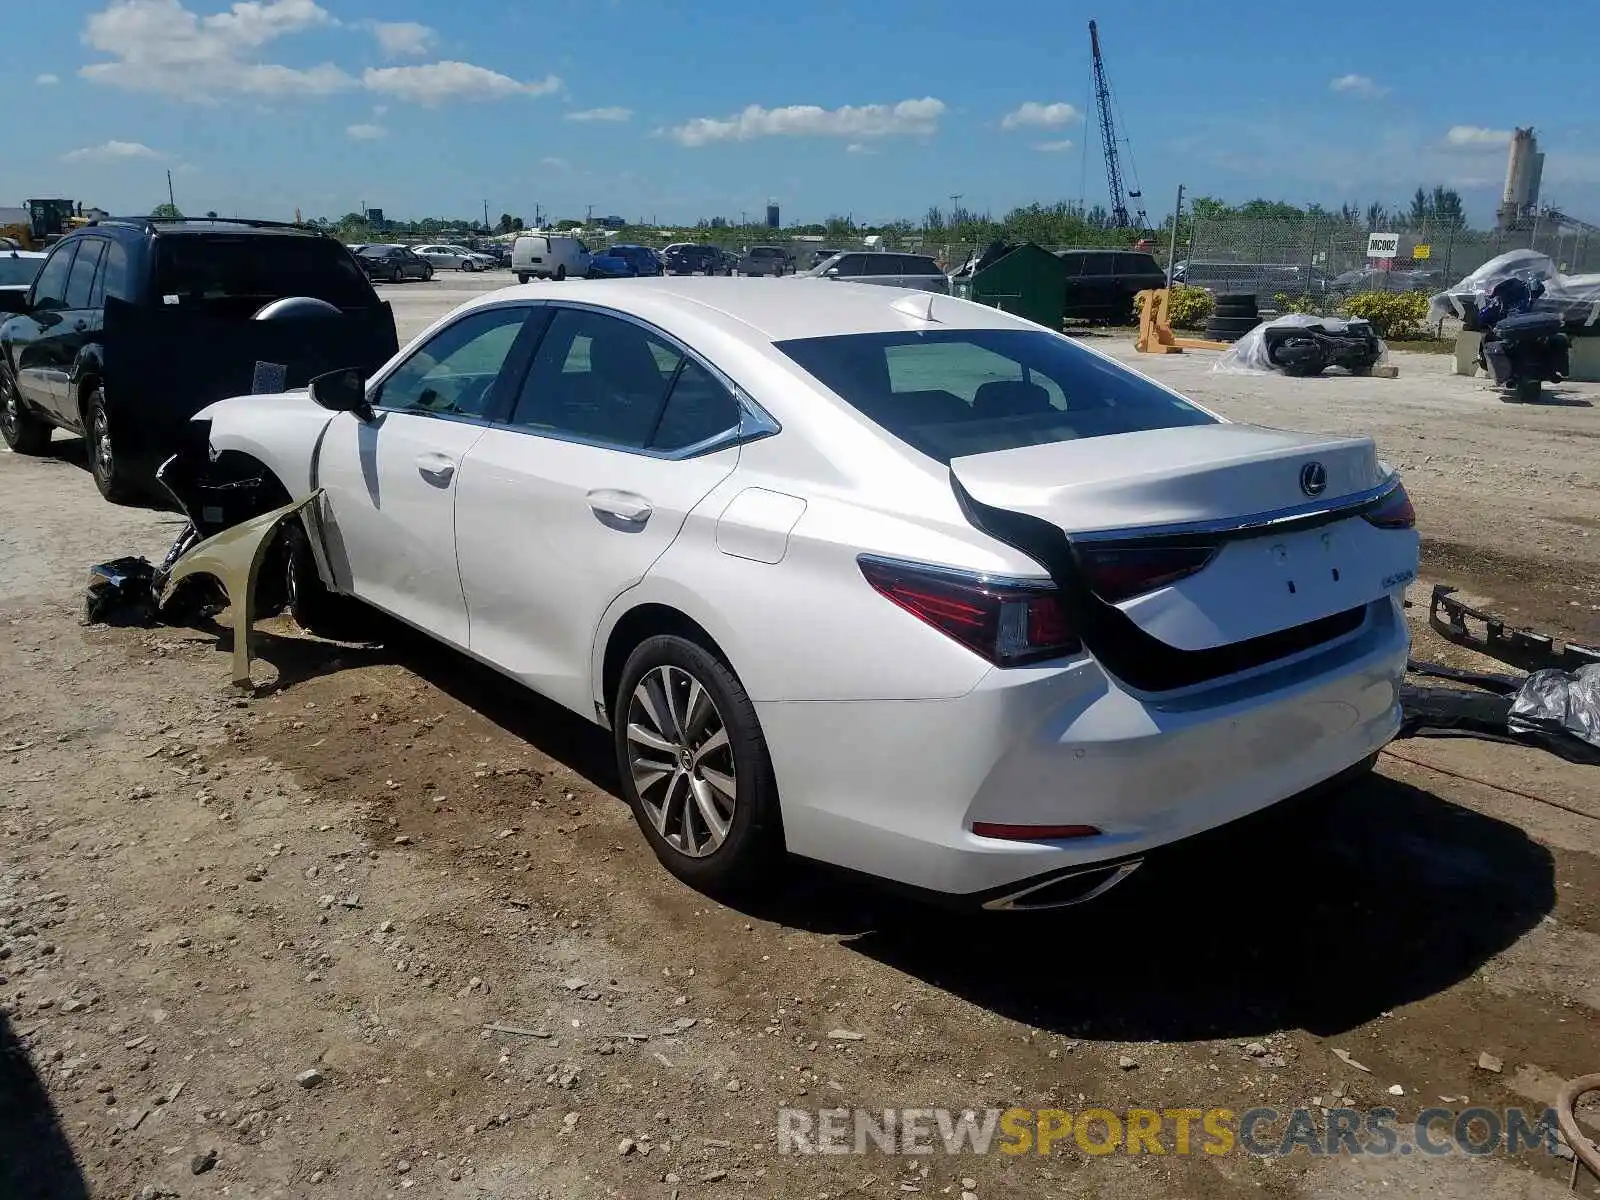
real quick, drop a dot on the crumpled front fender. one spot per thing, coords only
(233, 558)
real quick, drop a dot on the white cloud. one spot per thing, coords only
(437, 83)
(47, 79)
(379, 110)
(602, 114)
(859, 148)
(1053, 147)
(108, 152)
(1475, 137)
(1363, 86)
(365, 132)
(1034, 115)
(809, 120)
(555, 164)
(402, 39)
(161, 46)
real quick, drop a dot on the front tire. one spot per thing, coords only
(694, 766)
(398, 275)
(24, 431)
(561, 273)
(113, 480)
(522, 277)
(315, 609)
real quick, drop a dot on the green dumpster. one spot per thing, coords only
(1026, 280)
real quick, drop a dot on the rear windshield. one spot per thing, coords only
(954, 392)
(18, 270)
(201, 268)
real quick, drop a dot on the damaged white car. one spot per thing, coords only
(886, 580)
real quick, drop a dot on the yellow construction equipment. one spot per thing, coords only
(1155, 327)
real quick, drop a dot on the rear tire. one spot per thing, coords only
(522, 277)
(398, 275)
(695, 768)
(561, 273)
(113, 480)
(24, 431)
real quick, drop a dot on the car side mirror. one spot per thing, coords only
(14, 302)
(832, 273)
(344, 390)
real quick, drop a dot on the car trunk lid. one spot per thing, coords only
(1189, 553)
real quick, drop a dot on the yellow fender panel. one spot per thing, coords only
(233, 558)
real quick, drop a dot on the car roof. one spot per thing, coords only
(768, 310)
(9, 253)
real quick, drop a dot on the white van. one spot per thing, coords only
(549, 256)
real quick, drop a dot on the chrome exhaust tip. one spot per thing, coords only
(1063, 891)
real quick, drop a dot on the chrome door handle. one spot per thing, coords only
(624, 506)
(435, 467)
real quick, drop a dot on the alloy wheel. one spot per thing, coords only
(11, 410)
(681, 761)
(100, 444)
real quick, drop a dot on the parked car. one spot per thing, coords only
(765, 260)
(689, 258)
(132, 325)
(818, 257)
(884, 267)
(605, 266)
(1263, 280)
(549, 256)
(393, 264)
(642, 259)
(920, 589)
(1101, 284)
(19, 268)
(455, 258)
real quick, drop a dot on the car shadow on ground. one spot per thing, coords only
(1320, 913)
(36, 1160)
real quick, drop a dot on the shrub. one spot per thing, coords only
(1297, 304)
(1395, 315)
(1189, 306)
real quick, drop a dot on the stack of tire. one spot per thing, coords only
(1235, 315)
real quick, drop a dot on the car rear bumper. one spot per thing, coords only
(893, 788)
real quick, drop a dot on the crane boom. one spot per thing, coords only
(1108, 141)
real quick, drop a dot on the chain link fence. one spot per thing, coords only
(1324, 258)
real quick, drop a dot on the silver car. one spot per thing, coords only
(882, 266)
(457, 257)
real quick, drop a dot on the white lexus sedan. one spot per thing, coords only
(457, 258)
(873, 577)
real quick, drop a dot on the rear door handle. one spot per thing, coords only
(435, 467)
(624, 506)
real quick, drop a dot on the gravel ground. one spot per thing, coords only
(255, 946)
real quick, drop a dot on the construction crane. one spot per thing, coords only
(1108, 140)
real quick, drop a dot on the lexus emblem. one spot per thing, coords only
(1313, 479)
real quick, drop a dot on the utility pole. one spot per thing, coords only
(955, 206)
(170, 198)
(588, 217)
(486, 214)
(1172, 243)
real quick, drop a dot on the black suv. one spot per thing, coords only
(135, 324)
(1101, 284)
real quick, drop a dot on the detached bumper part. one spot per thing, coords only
(234, 558)
(121, 592)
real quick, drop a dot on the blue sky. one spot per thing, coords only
(877, 110)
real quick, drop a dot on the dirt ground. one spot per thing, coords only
(387, 850)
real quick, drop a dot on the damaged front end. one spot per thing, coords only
(229, 555)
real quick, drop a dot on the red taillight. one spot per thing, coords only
(1033, 833)
(1120, 573)
(1009, 624)
(1394, 511)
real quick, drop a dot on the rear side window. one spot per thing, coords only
(698, 408)
(914, 265)
(201, 268)
(1072, 263)
(881, 264)
(114, 280)
(80, 284)
(1099, 264)
(50, 289)
(951, 393)
(1137, 264)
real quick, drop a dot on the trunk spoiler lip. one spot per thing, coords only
(1279, 520)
